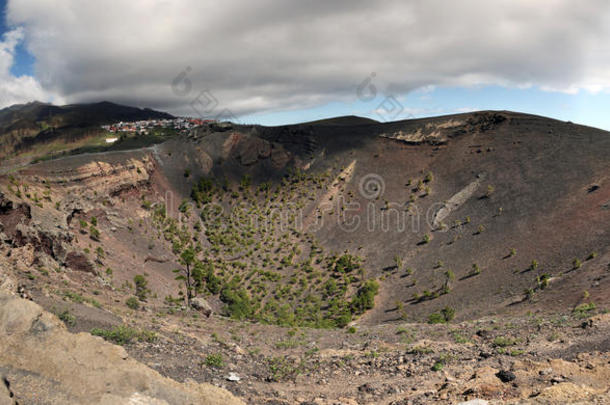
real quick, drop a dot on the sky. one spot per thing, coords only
(276, 62)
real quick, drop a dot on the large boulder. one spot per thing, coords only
(202, 306)
(45, 364)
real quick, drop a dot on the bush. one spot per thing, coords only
(214, 360)
(365, 297)
(94, 233)
(238, 302)
(502, 341)
(133, 303)
(347, 263)
(67, 318)
(141, 287)
(446, 315)
(435, 317)
(583, 310)
(123, 335)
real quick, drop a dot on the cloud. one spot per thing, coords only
(13, 89)
(265, 56)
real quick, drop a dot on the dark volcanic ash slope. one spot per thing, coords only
(479, 185)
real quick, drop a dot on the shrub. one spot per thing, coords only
(94, 233)
(593, 255)
(238, 303)
(141, 287)
(543, 280)
(448, 313)
(133, 303)
(214, 360)
(576, 263)
(583, 310)
(438, 365)
(435, 317)
(67, 318)
(123, 335)
(426, 239)
(347, 263)
(365, 297)
(503, 341)
(351, 329)
(281, 368)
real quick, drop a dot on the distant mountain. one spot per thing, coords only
(25, 125)
(346, 120)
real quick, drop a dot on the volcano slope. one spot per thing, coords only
(328, 249)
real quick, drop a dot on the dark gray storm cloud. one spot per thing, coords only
(266, 55)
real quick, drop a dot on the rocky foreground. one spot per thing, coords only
(531, 360)
(42, 363)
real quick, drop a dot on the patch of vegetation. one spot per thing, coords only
(94, 233)
(123, 335)
(67, 318)
(141, 285)
(365, 297)
(281, 369)
(504, 341)
(214, 360)
(584, 310)
(446, 315)
(440, 362)
(133, 303)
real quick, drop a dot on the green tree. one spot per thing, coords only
(185, 274)
(141, 287)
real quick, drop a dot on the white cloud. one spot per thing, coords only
(13, 89)
(269, 55)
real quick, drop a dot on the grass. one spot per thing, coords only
(123, 335)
